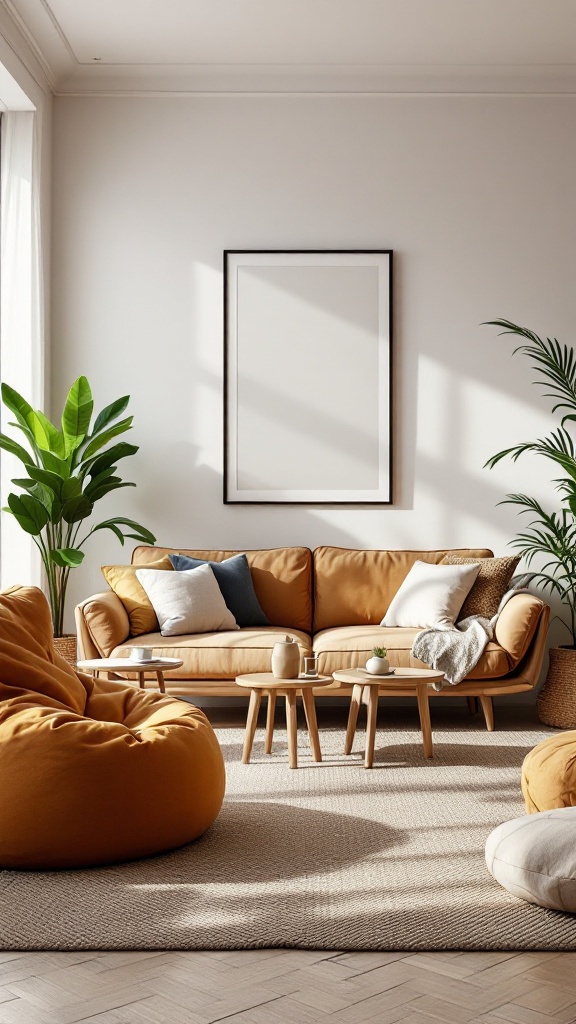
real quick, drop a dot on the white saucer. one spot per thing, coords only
(376, 675)
(141, 661)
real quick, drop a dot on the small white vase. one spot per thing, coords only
(377, 666)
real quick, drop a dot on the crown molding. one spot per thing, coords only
(17, 35)
(134, 80)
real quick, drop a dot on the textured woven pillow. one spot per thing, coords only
(189, 601)
(490, 585)
(431, 595)
(123, 581)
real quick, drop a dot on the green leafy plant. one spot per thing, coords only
(379, 652)
(68, 469)
(551, 535)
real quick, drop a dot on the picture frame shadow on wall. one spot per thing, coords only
(308, 377)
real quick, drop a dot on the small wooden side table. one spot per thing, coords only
(117, 666)
(401, 683)
(265, 683)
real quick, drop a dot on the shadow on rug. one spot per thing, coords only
(329, 856)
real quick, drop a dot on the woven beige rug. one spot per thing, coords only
(329, 856)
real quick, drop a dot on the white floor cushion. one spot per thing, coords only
(534, 858)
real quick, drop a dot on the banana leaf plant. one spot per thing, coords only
(67, 470)
(550, 536)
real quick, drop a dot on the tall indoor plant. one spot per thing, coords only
(68, 469)
(551, 536)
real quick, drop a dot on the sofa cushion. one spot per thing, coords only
(235, 581)
(218, 655)
(187, 602)
(517, 624)
(431, 596)
(123, 581)
(353, 587)
(282, 579)
(490, 585)
(351, 646)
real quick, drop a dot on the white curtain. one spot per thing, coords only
(21, 316)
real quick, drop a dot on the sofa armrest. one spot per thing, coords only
(517, 624)
(102, 624)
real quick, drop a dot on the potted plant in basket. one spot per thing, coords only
(551, 536)
(67, 470)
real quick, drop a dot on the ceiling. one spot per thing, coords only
(88, 46)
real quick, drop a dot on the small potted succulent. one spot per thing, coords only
(378, 665)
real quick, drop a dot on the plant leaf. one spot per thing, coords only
(98, 463)
(139, 532)
(38, 491)
(16, 449)
(76, 509)
(67, 557)
(96, 443)
(47, 479)
(71, 488)
(18, 405)
(109, 413)
(47, 436)
(77, 411)
(51, 462)
(30, 513)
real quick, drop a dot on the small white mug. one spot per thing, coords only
(141, 654)
(311, 666)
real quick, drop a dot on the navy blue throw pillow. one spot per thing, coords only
(234, 578)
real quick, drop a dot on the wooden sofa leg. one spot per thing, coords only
(472, 705)
(488, 709)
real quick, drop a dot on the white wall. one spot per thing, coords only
(476, 195)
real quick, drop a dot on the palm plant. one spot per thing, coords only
(69, 468)
(551, 535)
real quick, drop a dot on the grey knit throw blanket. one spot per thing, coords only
(455, 652)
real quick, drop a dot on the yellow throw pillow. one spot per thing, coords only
(123, 581)
(489, 586)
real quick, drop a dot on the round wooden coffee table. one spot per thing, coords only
(117, 667)
(260, 683)
(401, 683)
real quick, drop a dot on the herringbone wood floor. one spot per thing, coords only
(276, 986)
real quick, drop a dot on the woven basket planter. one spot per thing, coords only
(556, 702)
(66, 647)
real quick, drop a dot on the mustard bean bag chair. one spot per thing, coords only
(549, 774)
(92, 772)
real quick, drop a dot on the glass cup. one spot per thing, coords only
(311, 666)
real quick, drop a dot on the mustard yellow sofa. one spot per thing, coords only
(92, 772)
(331, 600)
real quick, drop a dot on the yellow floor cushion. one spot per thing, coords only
(549, 773)
(92, 772)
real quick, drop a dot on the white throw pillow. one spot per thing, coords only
(186, 602)
(431, 595)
